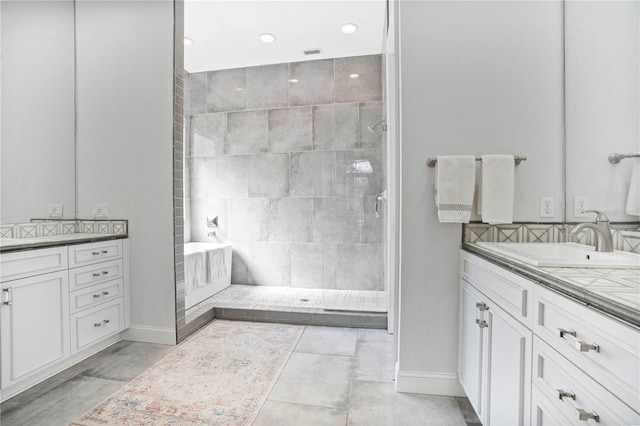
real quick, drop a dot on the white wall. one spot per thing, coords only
(38, 118)
(476, 78)
(125, 119)
(603, 103)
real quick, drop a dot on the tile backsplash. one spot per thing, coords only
(626, 237)
(46, 228)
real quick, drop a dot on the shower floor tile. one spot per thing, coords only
(296, 305)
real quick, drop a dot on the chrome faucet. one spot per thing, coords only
(601, 230)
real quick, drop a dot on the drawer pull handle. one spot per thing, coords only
(586, 347)
(97, 324)
(105, 251)
(95, 296)
(97, 274)
(106, 321)
(562, 332)
(565, 394)
(95, 253)
(482, 306)
(106, 293)
(585, 416)
(105, 272)
(481, 323)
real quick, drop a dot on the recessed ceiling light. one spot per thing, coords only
(187, 41)
(267, 38)
(354, 75)
(349, 28)
(239, 89)
(294, 80)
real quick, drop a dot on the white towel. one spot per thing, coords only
(495, 191)
(633, 199)
(455, 184)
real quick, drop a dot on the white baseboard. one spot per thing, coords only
(428, 383)
(141, 333)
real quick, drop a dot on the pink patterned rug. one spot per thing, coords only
(220, 376)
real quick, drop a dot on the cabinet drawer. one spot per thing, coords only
(95, 295)
(86, 254)
(615, 363)
(94, 274)
(553, 374)
(544, 412)
(512, 292)
(32, 262)
(93, 324)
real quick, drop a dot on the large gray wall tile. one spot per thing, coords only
(359, 267)
(226, 90)
(313, 173)
(267, 86)
(307, 266)
(335, 126)
(197, 93)
(249, 219)
(290, 129)
(208, 135)
(370, 114)
(227, 176)
(316, 84)
(240, 261)
(334, 221)
(330, 264)
(247, 132)
(368, 87)
(270, 264)
(197, 177)
(371, 231)
(290, 219)
(269, 175)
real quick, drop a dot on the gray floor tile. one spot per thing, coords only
(374, 361)
(125, 360)
(63, 404)
(328, 341)
(380, 404)
(367, 335)
(284, 414)
(312, 379)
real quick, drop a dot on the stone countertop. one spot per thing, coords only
(615, 292)
(19, 244)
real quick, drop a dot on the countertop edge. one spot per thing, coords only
(621, 313)
(74, 241)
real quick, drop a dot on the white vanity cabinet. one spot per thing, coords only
(495, 346)
(529, 355)
(34, 317)
(59, 306)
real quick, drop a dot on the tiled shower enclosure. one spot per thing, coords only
(282, 155)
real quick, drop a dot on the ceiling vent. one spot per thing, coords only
(312, 52)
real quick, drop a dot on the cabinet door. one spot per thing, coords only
(35, 326)
(470, 368)
(508, 352)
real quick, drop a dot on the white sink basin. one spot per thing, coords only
(568, 255)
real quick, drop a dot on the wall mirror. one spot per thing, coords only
(37, 147)
(602, 113)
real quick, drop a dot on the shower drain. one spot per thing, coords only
(304, 300)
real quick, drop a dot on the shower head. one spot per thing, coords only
(372, 128)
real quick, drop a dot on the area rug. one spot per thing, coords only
(220, 376)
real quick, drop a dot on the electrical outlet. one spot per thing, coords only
(580, 204)
(55, 210)
(99, 210)
(546, 207)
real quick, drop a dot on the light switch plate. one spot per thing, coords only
(55, 210)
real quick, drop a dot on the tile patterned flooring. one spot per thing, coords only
(335, 376)
(347, 308)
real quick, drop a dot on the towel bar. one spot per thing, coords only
(431, 161)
